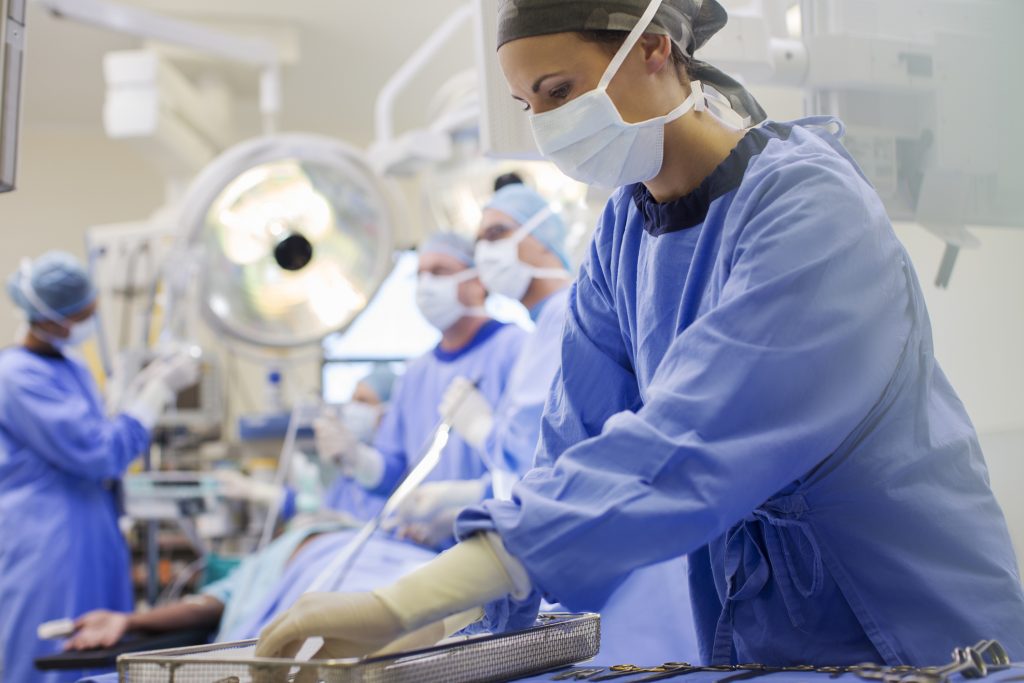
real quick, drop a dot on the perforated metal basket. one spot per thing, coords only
(556, 640)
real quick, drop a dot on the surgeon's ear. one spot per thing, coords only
(51, 328)
(472, 292)
(657, 51)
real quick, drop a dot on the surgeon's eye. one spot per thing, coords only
(561, 92)
(493, 233)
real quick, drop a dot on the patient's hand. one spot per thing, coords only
(98, 629)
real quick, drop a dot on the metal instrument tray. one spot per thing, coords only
(556, 640)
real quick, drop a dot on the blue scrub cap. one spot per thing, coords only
(451, 244)
(520, 203)
(57, 280)
(381, 379)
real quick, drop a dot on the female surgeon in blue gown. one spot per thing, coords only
(61, 552)
(747, 378)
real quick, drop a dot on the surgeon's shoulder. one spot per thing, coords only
(23, 373)
(19, 366)
(800, 168)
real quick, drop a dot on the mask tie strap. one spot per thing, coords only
(631, 39)
(528, 227)
(532, 223)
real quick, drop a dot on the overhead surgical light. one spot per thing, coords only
(294, 234)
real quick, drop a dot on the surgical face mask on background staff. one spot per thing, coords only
(437, 297)
(502, 272)
(361, 419)
(588, 139)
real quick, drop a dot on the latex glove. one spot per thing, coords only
(428, 515)
(156, 386)
(236, 486)
(467, 411)
(434, 533)
(178, 370)
(462, 579)
(335, 442)
(147, 403)
(333, 439)
(98, 629)
(434, 497)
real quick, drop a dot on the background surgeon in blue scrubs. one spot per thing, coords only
(61, 552)
(747, 377)
(451, 298)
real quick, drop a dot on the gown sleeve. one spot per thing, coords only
(808, 329)
(512, 443)
(60, 423)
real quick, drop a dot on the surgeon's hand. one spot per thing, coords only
(454, 584)
(97, 629)
(467, 411)
(336, 442)
(433, 533)
(428, 515)
(236, 486)
(177, 370)
(351, 624)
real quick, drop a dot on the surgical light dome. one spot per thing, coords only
(295, 235)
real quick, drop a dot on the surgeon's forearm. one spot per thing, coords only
(473, 573)
(199, 612)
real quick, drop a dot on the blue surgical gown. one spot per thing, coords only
(748, 377)
(413, 412)
(345, 495)
(647, 618)
(513, 439)
(61, 552)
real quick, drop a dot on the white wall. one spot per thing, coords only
(68, 179)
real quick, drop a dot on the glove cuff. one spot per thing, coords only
(469, 575)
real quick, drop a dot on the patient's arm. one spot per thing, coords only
(101, 628)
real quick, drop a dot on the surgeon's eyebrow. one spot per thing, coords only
(536, 83)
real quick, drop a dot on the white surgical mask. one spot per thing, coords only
(361, 419)
(79, 334)
(588, 140)
(437, 297)
(502, 272)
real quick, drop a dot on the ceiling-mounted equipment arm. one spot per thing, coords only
(143, 23)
